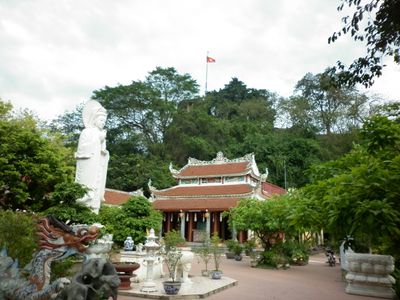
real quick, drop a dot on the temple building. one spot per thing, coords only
(205, 190)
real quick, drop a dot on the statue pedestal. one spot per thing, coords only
(140, 258)
(369, 275)
(149, 285)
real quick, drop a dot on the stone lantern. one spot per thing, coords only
(151, 246)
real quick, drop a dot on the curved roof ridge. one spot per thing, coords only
(220, 159)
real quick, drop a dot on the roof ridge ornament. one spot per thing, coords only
(220, 159)
(264, 176)
(172, 170)
(150, 186)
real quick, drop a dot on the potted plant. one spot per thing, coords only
(249, 249)
(204, 252)
(216, 255)
(230, 244)
(171, 256)
(253, 259)
(280, 261)
(249, 246)
(237, 250)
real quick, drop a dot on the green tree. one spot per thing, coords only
(32, 162)
(140, 115)
(268, 219)
(133, 219)
(332, 108)
(133, 171)
(377, 24)
(147, 107)
(195, 133)
(17, 235)
(359, 192)
(236, 101)
(66, 208)
(304, 214)
(298, 115)
(285, 154)
(70, 125)
(171, 86)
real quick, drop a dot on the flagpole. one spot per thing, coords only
(205, 90)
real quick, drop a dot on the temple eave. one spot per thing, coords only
(209, 204)
(161, 197)
(179, 176)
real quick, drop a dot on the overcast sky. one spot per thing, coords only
(54, 54)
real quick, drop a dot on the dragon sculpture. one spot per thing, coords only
(56, 241)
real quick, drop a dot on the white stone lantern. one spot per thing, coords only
(151, 247)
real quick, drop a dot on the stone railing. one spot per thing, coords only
(369, 275)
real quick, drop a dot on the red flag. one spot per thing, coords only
(210, 59)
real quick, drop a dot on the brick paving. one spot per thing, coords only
(315, 281)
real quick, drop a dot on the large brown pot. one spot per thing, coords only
(125, 273)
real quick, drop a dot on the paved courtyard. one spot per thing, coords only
(316, 281)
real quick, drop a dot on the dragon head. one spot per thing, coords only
(54, 234)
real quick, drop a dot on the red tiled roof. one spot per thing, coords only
(212, 204)
(115, 197)
(205, 190)
(214, 169)
(270, 189)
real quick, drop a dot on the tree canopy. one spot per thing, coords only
(162, 119)
(32, 161)
(324, 105)
(377, 24)
(133, 218)
(359, 193)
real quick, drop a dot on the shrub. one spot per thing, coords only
(61, 268)
(234, 246)
(17, 234)
(238, 249)
(267, 258)
(249, 246)
(74, 213)
(273, 259)
(133, 219)
(65, 208)
(172, 239)
(296, 252)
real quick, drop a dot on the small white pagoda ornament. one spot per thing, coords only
(150, 246)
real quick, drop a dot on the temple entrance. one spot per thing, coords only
(225, 232)
(171, 221)
(195, 224)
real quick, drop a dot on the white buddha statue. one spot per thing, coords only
(92, 155)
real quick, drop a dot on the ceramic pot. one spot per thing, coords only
(253, 263)
(171, 287)
(216, 274)
(238, 257)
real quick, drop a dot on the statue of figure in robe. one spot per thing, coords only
(92, 156)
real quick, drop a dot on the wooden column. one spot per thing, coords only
(168, 221)
(241, 236)
(215, 224)
(183, 220)
(190, 232)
